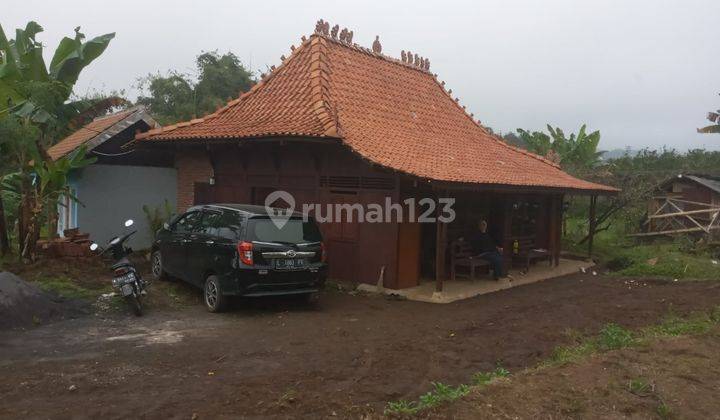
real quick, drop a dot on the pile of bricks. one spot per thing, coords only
(73, 244)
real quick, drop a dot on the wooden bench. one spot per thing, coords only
(461, 255)
(528, 253)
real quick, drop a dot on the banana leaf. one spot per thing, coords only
(72, 55)
(709, 129)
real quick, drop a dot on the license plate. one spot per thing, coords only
(289, 263)
(127, 289)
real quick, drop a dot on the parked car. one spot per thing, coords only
(241, 250)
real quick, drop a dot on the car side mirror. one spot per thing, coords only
(166, 226)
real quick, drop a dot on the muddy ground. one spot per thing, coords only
(345, 357)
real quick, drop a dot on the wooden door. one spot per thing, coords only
(408, 255)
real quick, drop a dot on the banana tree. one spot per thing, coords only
(35, 95)
(714, 118)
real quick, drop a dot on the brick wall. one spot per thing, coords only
(192, 166)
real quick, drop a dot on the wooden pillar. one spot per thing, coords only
(592, 224)
(440, 246)
(558, 230)
(555, 227)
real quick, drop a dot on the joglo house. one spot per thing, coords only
(339, 123)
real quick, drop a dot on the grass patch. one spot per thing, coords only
(640, 387)
(663, 411)
(614, 337)
(611, 337)
(65, 287)
(484, 378)
(441, 393)
(674, 325)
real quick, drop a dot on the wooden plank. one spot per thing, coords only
(697, 203)
(669, 232)
(684, 213)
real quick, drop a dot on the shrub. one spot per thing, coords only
(157, 216)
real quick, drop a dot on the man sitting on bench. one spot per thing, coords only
(487, 248)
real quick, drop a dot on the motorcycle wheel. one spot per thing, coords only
(135, 304)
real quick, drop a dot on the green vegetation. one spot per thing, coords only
(37, 108)
(640, 387)
(672, 258)
(180, 97)
(574, 152)
(157, 216)
(664, 411)
(614, 337)
(66, 287)
(440, 394)
(484, 378)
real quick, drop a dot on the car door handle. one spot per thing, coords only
(184, 241)
(209, 242)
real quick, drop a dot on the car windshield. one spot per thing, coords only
(294, 231)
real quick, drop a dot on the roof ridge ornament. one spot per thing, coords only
(322, 27)
(376, 46)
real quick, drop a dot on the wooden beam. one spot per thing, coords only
(669, 232)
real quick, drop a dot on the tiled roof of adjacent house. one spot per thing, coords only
(392, 112)
(97, 130)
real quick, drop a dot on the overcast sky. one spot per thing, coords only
(644, 73)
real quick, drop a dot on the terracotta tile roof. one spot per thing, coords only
(100, 130)
(392, 113)
(87, 133)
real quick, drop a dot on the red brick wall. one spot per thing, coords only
(192, 166)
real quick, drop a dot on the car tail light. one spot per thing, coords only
(121, 271)
(323, 252)
(245, 251)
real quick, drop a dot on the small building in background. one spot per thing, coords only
(121, 181)
(685, 204)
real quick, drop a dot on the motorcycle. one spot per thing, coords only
(126, 278)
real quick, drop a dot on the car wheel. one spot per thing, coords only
(215, 301)
(156, 266)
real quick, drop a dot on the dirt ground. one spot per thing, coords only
(346, 357)
(670, 378)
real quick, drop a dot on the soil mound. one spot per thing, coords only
(23, 304)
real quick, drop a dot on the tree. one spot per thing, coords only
(177, 97)
(713, 117)
(575, 153)
(36, 105)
